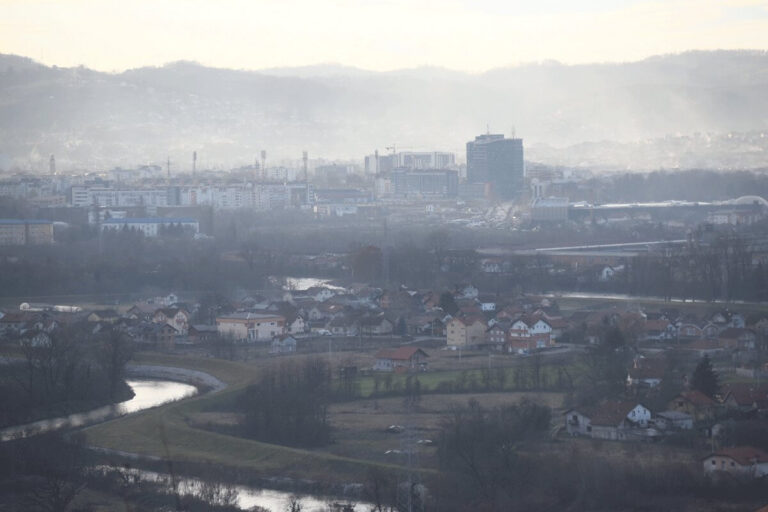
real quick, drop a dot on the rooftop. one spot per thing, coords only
(149, 220)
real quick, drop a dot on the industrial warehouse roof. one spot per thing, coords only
(148, 220)
(24, 221)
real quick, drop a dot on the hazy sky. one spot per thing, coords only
(471, 35)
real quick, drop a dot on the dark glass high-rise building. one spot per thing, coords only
(493, 159)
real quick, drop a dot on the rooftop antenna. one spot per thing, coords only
(168, 168)
(487, 129)
(194, 163)
(513, 131)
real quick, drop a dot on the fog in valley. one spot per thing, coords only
(695, 109)
(383, 256)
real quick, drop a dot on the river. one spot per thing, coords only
(148, 393)
(244, 497)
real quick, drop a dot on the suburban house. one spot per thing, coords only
(177, 317)
(320, 293)
(724, 319)
(376, 325)
(104, 316)
(466, 331)
(487, 302)
(528, 333)
(164, 335)
(703, 347)
(497, 333)
(608, 272)
(400, 359)
(689, 331)
(745, 397)
(673, 420)
(342, 326)
(695, 403)
(613, 420)
(283, 344)
(425, 325)
(659, 329)
(467, 292)
(142, 311)
(202, 333)
(738, 337)
(295, 324)
(251, 326)
(745, 461)
(646, 373)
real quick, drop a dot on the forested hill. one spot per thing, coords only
(94, 119)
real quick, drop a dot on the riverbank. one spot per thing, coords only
(41, 413)
(166, 433)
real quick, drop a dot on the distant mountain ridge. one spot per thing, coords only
(92, 120)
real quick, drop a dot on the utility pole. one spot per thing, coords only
(263, 164)
(305, 158)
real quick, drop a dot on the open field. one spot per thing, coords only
(569, 304)
(360, 425)
(166, 432)
(170, 431)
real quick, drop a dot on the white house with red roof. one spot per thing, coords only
(528, 333)
(400, 359)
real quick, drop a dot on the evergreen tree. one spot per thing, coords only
(705, 378)
(448, 304)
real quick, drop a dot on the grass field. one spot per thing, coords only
(170, 431)
(166, 432)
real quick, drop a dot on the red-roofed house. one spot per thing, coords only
(400, 359)
(695, 403)
(744, 461)
(528, 333)
(646, 373)
(745, 396)
(738, 337)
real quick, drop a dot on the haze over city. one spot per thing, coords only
(383, 256)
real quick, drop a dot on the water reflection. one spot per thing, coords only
(246, 497)
(147, 394)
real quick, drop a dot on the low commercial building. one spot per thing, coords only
(549, 209)
(152, 226)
